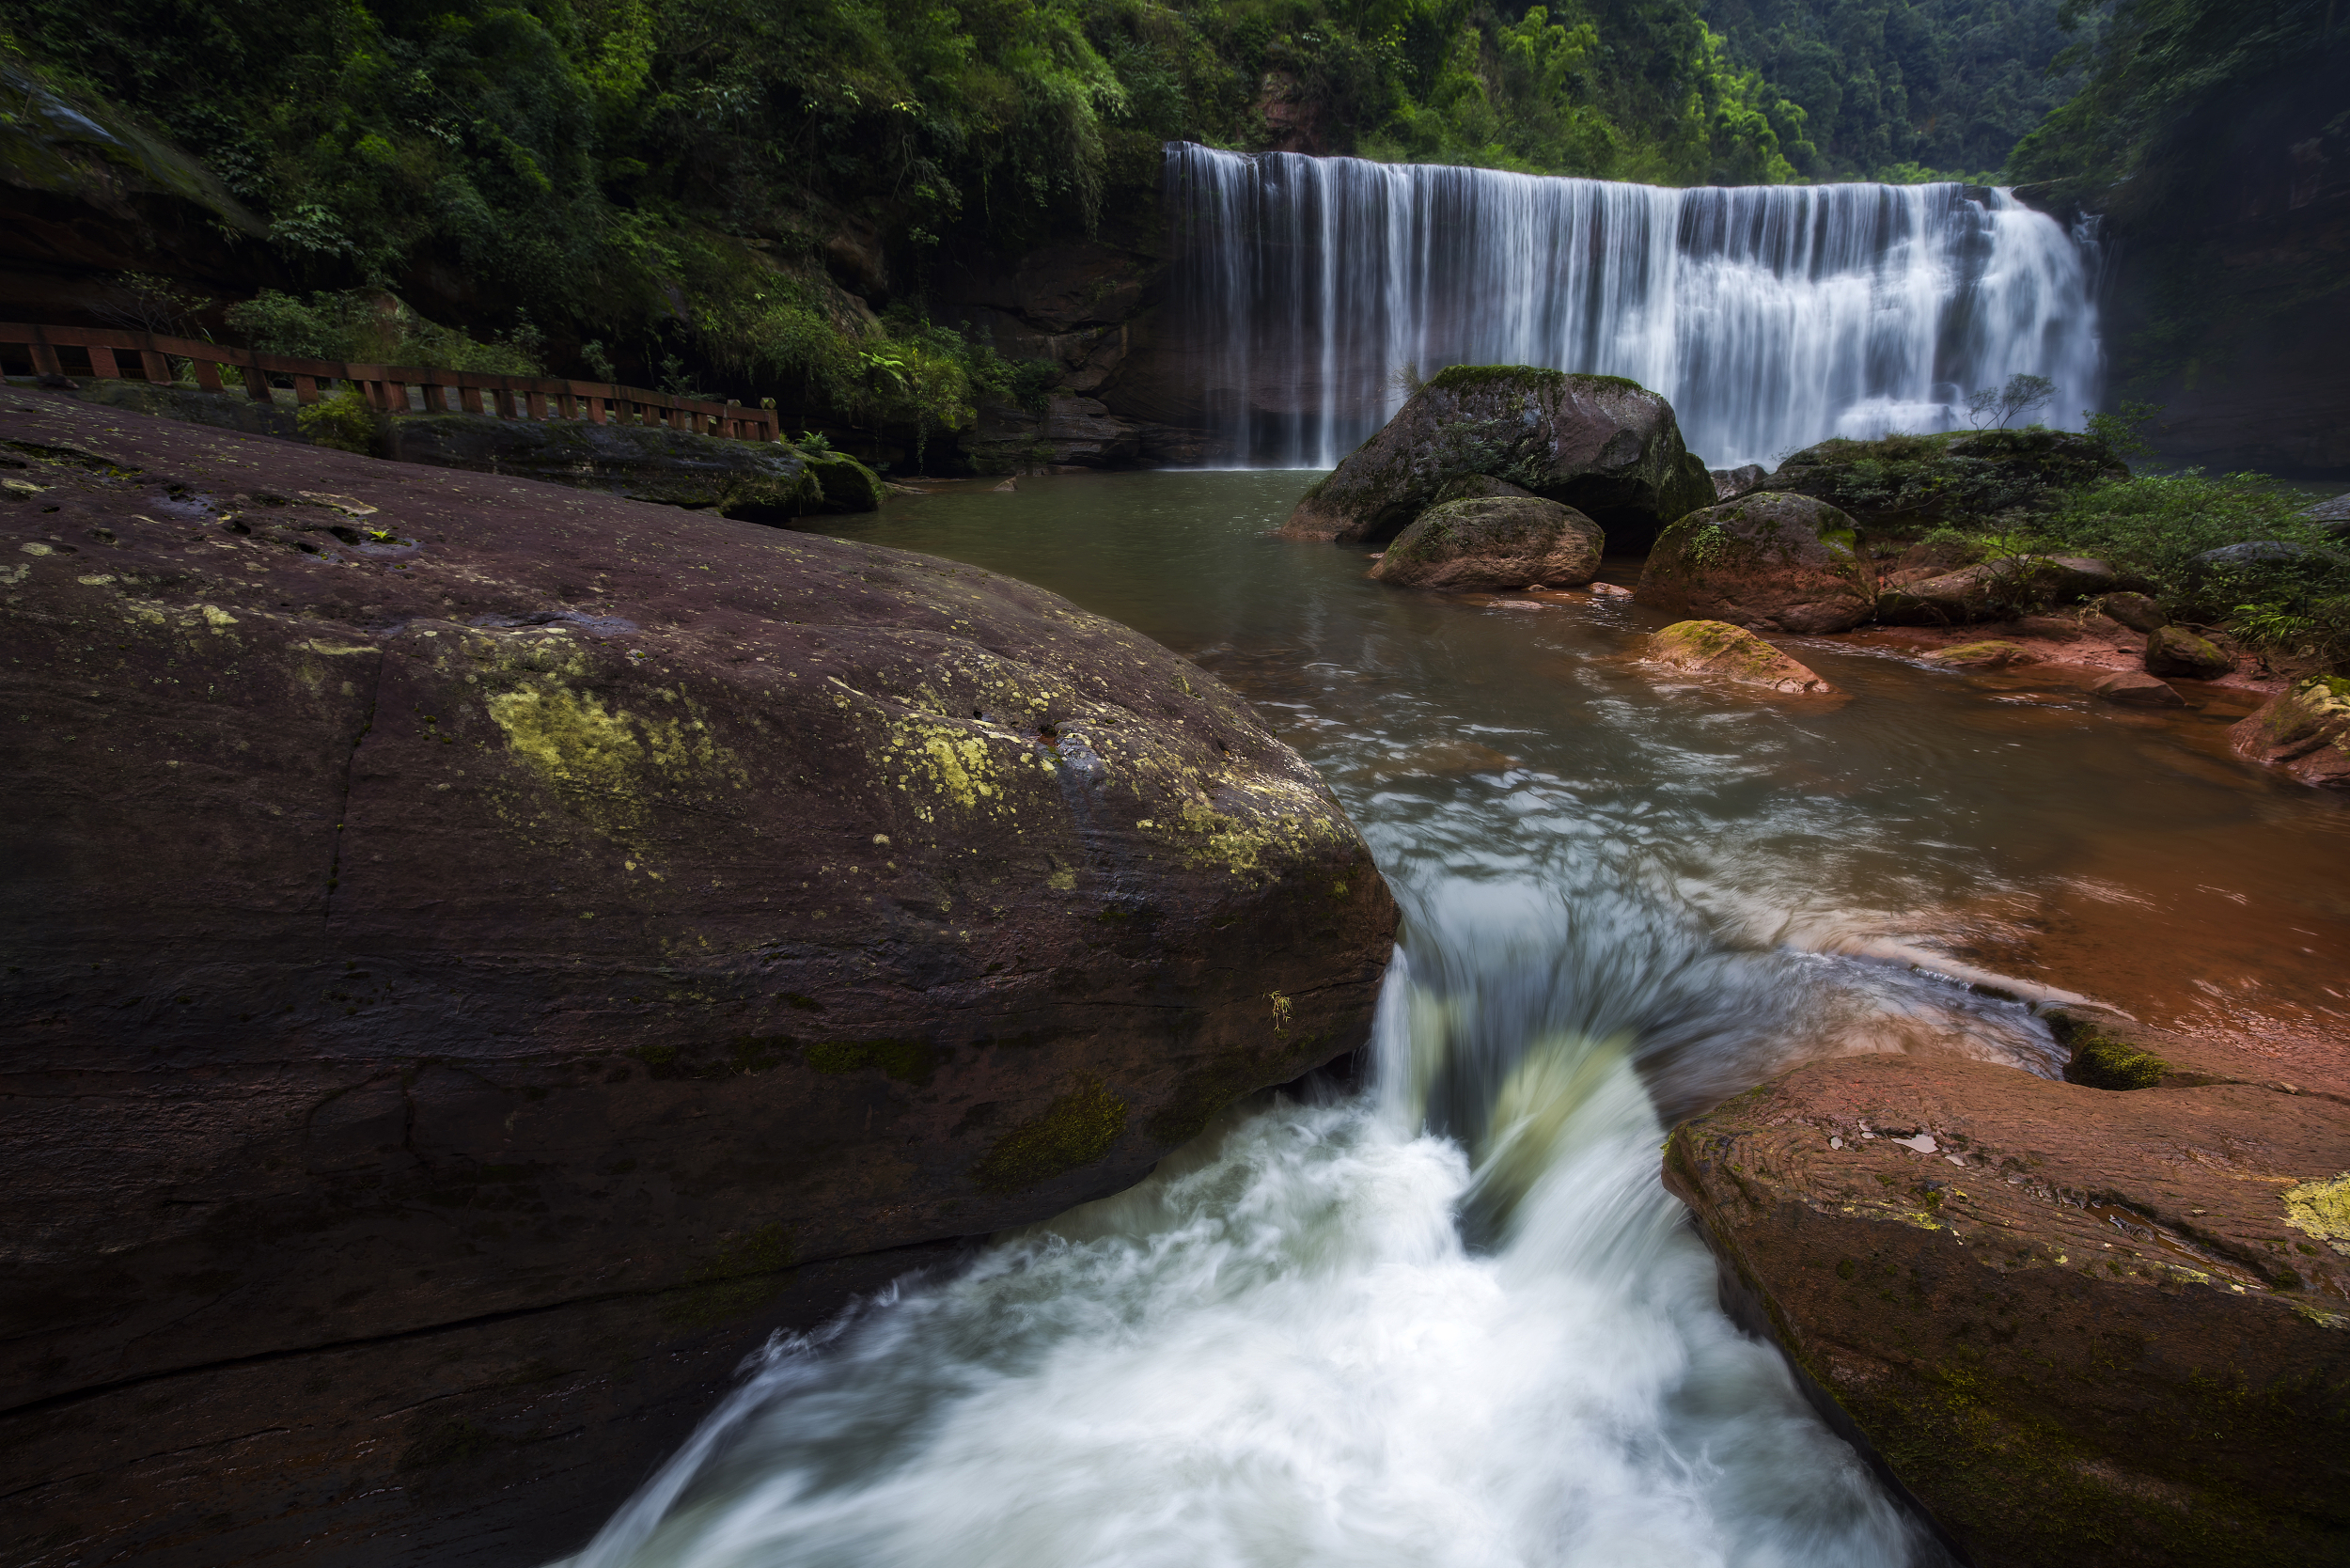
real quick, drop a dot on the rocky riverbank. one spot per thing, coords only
(485, 954)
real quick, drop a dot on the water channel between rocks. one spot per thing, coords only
(1454, 1318)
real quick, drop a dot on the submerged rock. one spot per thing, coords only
(759, 482)
(2303, 731)
(2132, 688)
(1486, 534)
(2066, 1327)
(1606, 446)
(1733, 654)
(1991, 654)
(2176, 651)
(1766, 560)
(486, 954)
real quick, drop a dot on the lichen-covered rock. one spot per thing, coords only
(1902, 483)
(2303, 731)
(1991, 654)
(1786, 562)
(1606, 446)
(484, 954)
(1493, 540)
(2081, 1325)
(2131, 688)
(2176, 651)
(1733, 654)
(2010, 586)
(758, 482)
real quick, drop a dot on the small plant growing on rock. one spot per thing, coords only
(342, 420)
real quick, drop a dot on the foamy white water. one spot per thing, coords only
(1772, 317)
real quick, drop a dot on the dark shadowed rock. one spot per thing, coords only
(2010, 586)
(1786, 562)
(2303, 731)
(2176, 651)
(1733, 654)
(2132, 688)
(1606, 446)
(759, 482)
(2070, 1327)
(2136, 611)
(483, 954)
(1493, 541)
(2332, 518)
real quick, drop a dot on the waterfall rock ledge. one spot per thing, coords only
(484, 955)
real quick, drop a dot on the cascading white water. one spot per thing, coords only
(1771, 316)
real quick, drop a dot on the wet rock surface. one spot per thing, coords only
(2093, 1324)
(1733, 654)
(1914, 481)
(2303, 731)
(1764, 561)
(759, 482)
(2136, 689)
(1606, 446)
(1484, 534)
(483, 954)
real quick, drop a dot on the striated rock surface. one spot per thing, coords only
(1786, 562)
(1486, 534)
(759, 482)
(1606, 446)
(2087, 1324)
(2303, 732)
(483, 954)
(1733, 654)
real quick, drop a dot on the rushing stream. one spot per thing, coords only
(1451, 1317)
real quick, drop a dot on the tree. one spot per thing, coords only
(2021, 394)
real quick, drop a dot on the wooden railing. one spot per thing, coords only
(391, 389)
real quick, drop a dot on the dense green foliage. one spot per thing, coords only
(1900, 89)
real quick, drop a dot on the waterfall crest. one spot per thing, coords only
(1771, 316)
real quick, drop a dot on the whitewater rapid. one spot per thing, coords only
(1309, 289)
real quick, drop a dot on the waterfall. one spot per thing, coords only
(1773, 317)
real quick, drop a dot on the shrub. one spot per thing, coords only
(341, 421)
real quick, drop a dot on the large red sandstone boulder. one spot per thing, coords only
(2303, 732)
(1735, 654)
(481, 955)
(2099, 1322)
(1769, 561)
(1608, 447)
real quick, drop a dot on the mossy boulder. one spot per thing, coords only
(1606, 446)
(2068, 1330)
(1733, 654)
(2176, 651)
(2303, 731)
(1899, 484)
(484, 954)
(1486, 534)
(757, 482)
(1990, 653)
(1765, 559)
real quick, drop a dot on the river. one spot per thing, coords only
(1443, 1313)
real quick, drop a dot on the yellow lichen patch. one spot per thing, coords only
(602, 759)
(948, 758)
(2323, 1210)
(216, 618)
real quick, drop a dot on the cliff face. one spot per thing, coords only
(2228, 299)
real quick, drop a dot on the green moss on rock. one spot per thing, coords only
(1075, 1130)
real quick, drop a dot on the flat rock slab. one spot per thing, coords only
(2080, 1325)
(452, 905)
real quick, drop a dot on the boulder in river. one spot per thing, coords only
(2069, 1327)
(1785, 562)
(485, 954)
(2132, 688)
(1991, 654)
(1903, 482)
(2010, 586)
(2303, 731)
(1733, 654)
(1486, 534)
(1606, 446)
(2176, 651)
